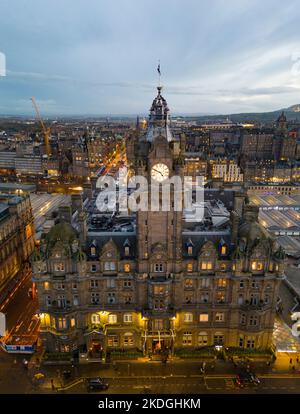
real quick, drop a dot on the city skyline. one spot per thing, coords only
(80, 60)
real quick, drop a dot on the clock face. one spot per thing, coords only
(160, 172)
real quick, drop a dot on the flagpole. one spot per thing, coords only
(159, 73)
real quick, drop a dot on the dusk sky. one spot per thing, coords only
(100, 57)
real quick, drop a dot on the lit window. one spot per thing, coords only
(221, 283)
(223, 250)
(61, 323)
(128, 339)
(46, 285)
(220, 297)
(190, 250)
(126, 267)
(203, 317)
(59, 267)
(188, 317)
(220, 317)
(93, 251)
(187, 338)
(112, 318)
(127, 317)
(95, 318)
(202, 339)
(112, 340)
(126, 251)
(190, 267)
(72, 322)
(188, 283)
(206, 265)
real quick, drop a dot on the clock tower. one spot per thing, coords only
(159, 158)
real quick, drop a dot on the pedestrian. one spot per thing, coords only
(52, 384)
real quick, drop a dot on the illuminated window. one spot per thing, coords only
(72, 322)
(190, 267)
(159, 289)
(126, 251)
(112, 318)
(202, 339)
(257, 265)
(190, 250)
(203, 317)
(187, 338)
(223, 267)
(221, 283)
(128, 339)
(223, 250)
(127, 317)
(46, 285)
(112, 340)
(188, 283)
(220, 317)
(188, 317)
(93, 251)
(61, 323)
(206, 265)
(59, 267)
(126, 267)
(220, 297)
(95, 318)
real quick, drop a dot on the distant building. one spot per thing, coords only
(16, 238)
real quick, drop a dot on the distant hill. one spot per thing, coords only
(292, 113)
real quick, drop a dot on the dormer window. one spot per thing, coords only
(93, 251)
(126, 251)
(223, 250)
(190, 250)
(126, 267)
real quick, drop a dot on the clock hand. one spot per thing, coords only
(157, 171)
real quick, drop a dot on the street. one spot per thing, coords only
(21, 323)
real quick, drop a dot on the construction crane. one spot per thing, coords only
(46, 131)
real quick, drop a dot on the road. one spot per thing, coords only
(193, 385)
(21, 322)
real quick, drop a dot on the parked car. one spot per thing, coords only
(96, 384)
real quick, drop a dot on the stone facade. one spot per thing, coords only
(165, 285)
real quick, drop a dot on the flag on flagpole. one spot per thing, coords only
(158, 68)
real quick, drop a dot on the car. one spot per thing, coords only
(245, 378)
(94, 384)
